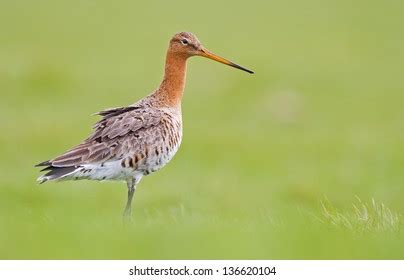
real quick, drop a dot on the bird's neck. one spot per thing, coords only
(172, 87)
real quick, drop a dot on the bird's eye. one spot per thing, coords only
(184, 42)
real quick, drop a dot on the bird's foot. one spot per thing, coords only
(127, 216)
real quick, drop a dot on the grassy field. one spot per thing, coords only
(303, 160)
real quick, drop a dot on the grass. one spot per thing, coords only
(363, 218)
(322, 117)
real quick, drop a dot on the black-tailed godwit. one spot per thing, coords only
(131, 142)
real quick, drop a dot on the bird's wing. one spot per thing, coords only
(116, 133)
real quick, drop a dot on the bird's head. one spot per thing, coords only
(186, 44)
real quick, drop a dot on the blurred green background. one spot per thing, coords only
(321, 120)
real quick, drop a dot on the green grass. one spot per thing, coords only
(364, 218)
(322, 117)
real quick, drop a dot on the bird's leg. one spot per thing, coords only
(131, 191)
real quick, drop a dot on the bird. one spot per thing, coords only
(128, 143)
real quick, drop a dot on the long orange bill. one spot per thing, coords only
(208, 54)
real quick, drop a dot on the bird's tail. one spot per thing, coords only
(54, 172)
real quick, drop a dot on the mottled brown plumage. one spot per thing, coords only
(131, 142)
